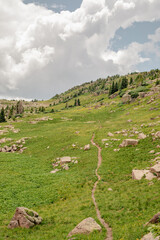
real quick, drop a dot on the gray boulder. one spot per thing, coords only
(24, 218)
(87, 226)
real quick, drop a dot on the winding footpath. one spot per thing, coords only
(106, 226)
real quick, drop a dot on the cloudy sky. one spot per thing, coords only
(48, 46)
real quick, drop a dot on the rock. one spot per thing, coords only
(138, 174)
(129, 120)
(24, 218)
(110, 134)
(65, 160)
(126, 98)
(129, 142)
(65, 167)
(76, 162)
(156, 169)
(142, 136)
(158, 153)
(116, 150)
(87, 147)
(110, 189)
(107, 144)
(150, 236)
(87, 226)
(105, 140)
(55, 170)
(73, 145)
(158, 146)
(154, 219)
(152, 151)
(157, 134)
(150, 176)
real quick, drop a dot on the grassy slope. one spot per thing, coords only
(64, 199)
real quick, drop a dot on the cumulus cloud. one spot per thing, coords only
(43, 52)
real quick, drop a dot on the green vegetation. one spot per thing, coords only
(64, 199)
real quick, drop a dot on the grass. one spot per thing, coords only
(64, 199)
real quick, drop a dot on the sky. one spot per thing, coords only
(47, 47)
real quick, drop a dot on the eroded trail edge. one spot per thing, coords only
(106, 226)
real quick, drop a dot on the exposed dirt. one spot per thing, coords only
(106, 225)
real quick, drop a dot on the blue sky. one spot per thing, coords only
(47, 47)
(58, 5)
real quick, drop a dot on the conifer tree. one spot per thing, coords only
(2, 116)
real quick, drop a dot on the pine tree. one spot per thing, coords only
(116, 87)
(78, 102)
(19, 107)
(75, 102)
(2, 116)
(131, 81)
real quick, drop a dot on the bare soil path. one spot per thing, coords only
(106, 226)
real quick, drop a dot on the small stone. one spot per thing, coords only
(152, 151)
(110, 189)
(54, 171)
(87, 147)
(110, 134)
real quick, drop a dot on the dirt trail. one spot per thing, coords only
(109, 230)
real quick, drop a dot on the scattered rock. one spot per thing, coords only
(24, 218)
(129, 142)
(65, 160)
(129, 120)
(87, 147)
(154, 219)
(150, 236)
(150, 176)
(116, 150)
(157, 134)
(142, 136)
(110, 189)
(55, 170)
(87, 226)
(156, 169)
(152, 151)
(138, 174)
(110, 134)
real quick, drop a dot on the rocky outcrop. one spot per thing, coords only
(24, 218)
(87, 226)
(128, 142)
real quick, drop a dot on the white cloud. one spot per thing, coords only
(58, 6)
(43, 52)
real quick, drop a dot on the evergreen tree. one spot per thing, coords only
(78, 102)
(75, 102)
(19, 107)
(2, 116)
(124, 83)
(131, 81)
(112, 88)
(116, 87)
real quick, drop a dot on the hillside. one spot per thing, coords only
(33, 142)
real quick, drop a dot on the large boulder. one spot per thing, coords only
(138, 174)
(150, 236)
(129, 142)
(87, 226)
(126, 98)
(24, 218)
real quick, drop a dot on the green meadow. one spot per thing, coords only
(64, 199)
